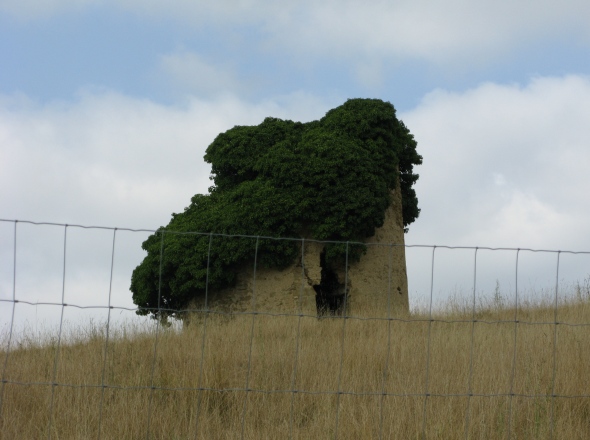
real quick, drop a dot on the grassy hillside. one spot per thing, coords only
(294, 368)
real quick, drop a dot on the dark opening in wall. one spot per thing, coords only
(330, 294)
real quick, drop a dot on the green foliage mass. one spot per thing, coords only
(326, 180)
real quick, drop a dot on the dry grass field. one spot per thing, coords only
(407, 378)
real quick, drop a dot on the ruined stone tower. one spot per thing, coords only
(375, 286)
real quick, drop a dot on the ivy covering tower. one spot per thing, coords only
(329, 179)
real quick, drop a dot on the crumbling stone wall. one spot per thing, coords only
(376, 286)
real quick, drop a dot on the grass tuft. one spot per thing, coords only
(451, 376)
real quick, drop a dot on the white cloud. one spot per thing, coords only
(104, 160)
(114, 160)
(524, 218)
(505, 165)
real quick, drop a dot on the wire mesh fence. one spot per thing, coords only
(509, 365)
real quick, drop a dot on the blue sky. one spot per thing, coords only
(53, 54)
(107, 107)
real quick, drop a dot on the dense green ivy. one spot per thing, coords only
(327, 180)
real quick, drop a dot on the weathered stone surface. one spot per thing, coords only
(377, 285)
(379, 282)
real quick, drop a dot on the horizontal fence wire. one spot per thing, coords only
(336, 429)
(261, 237)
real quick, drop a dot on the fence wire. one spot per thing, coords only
(474, 321)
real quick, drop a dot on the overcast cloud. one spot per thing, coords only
(524, 151)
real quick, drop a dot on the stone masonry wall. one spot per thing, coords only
(377, 284)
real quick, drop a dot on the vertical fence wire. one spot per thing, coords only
(513, 369)
(388, 351)
(55, 403)
(8, 347)
(156, 338)
(297, 340)
(254, 312)
(427, 372)
(57, 349)
(344, 318)
(203, 340)
(106, 341)
(470, 377)
(555, 323)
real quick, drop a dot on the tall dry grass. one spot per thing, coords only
(450, 378)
